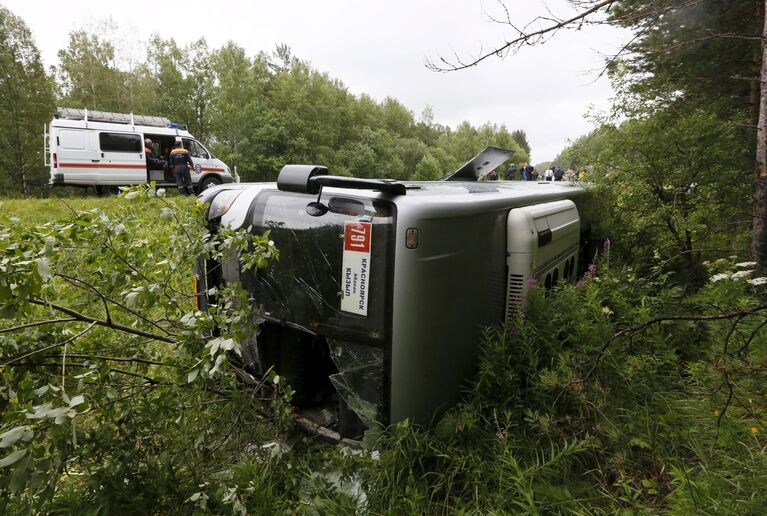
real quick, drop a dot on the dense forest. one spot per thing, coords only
(676, 157)
(255, 112)
(639, 389)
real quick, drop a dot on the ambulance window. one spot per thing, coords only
(196, 150)
(120, 142)
(74, 140)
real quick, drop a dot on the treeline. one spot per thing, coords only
(256, 112)
(675, 160)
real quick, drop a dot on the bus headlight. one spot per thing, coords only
(221, 203)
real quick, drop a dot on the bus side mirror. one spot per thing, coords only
(295, 178)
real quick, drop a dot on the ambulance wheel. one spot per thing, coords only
(107, 190)
(207, 183)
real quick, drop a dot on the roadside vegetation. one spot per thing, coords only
(624, 392)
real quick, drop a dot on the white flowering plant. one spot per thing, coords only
(728, 271)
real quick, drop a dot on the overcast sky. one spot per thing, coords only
(380, 48)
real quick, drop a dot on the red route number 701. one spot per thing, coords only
(357, 236)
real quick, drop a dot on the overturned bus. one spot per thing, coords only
(375, 309)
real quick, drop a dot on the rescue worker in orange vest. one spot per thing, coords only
(180, 160)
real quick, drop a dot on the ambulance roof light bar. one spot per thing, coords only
(115, 118)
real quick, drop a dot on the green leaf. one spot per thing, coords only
(13, 457)
(20, 475)
(77, 400)
(42, 390)
(40, 411)
(10, 437)
(219, 360)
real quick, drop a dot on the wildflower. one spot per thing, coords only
(719, 277)
(716, 413)
(592, 269)
(743, 265)
(606, 311)
(500, 434)
(606, 245)
(271, 243)
(758, 281)
(740, 274)
(532, 281)
(754, 430)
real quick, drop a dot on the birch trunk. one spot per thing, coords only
(759, 242)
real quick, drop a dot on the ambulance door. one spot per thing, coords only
(159, 142)
(77, 155)
(201, 158)
(122, 158)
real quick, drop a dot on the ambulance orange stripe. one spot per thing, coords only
(98, 165)
(114, 165)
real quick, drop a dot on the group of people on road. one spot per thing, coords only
(179, 163)
(528, 173)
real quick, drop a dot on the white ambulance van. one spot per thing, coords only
(106, 150)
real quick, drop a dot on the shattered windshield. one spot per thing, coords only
(331, 275)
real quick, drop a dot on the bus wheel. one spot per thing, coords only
(207, 183)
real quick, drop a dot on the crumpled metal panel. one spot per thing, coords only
(481, 164)
(360, 379)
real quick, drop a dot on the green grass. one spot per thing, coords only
(40, 211)
(36, 210)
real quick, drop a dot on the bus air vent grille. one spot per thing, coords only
(515, 294)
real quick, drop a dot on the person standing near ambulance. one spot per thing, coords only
(180, 160)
